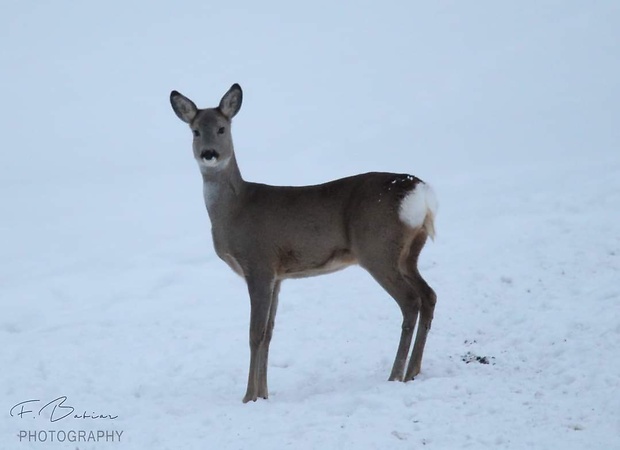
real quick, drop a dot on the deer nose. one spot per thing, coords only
(209, 154)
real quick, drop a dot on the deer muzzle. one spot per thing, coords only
(209, 155)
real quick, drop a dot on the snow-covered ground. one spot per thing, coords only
(112, 295)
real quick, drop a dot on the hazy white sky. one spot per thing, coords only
(87, 83)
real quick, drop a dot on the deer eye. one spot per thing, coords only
(220, 130)
(196, 133)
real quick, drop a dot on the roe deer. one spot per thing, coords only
(270, 233)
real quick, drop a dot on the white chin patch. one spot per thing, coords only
(213, 162)
(209, 162)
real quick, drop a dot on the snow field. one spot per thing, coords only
(112, 295)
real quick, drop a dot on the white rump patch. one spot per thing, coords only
(417, 205)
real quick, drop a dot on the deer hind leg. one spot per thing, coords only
(385, 270)
(410, 306)
(428, 299)
(261, 290)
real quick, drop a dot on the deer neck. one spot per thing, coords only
(222, 190)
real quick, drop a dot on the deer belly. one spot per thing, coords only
(294, 266)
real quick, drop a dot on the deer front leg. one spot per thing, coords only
(263, 391)
(261, 290)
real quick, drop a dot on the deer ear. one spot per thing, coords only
(183, 107)
(231, 102)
